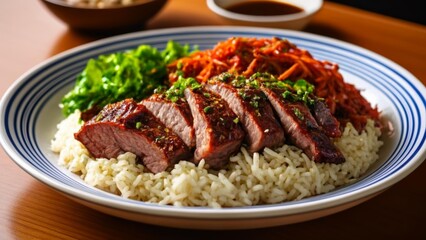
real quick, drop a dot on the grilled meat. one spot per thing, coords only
(218, 134)
(255, 114)
(211, 121)
(175, 115)
(127, 126)
(302, 129)
(325, 119)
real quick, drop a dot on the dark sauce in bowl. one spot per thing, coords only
(264, 8)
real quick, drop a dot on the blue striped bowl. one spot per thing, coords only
(29, 113)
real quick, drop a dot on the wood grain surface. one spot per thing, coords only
(29, 34)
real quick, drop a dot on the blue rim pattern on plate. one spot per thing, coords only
(390, 86)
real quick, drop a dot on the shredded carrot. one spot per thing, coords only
(286, 61)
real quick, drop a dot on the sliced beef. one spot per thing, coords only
(127, 126)
(302, 129)
(97, 134)
(218, 134)
(325, 119)
(90, 113)
(175, 115)
(255, 114)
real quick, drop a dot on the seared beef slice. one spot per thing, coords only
(218, 134)
(175, 115)
(326, 120)
(127, 126)
(302, 129)
(97, 134)
(255, 113)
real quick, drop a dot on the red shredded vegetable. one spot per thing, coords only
(284, 60)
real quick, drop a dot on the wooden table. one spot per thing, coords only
(30, 210)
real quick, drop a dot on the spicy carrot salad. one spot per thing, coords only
(285, 61)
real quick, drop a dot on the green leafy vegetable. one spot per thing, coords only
(116, 76)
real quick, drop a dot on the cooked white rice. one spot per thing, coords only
(273, 176)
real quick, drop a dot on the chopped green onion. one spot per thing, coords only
(208, 109)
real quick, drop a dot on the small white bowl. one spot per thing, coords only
(295, 21)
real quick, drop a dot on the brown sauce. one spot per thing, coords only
(264, 8)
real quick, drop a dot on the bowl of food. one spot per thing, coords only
(104, 15)
(288, 14)
(258, 143)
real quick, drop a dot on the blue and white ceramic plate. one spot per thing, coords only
(29, 113)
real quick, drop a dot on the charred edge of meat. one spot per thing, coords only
(90, 113)
(255, 114)
(218, 134)
(302, 129)
(175, 115)
(326, 120)
(129, 127)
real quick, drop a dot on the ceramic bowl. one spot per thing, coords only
(295, 21)
(117, 18)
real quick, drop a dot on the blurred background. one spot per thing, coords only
(410, 10)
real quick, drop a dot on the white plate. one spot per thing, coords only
(29, 113)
